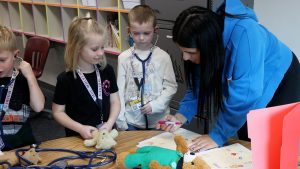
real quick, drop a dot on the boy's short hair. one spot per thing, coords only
(7, 39)
(142, 14)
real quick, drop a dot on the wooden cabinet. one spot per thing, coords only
(51, 19)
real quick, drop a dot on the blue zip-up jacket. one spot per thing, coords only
(255, 64)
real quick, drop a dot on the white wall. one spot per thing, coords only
(281, 17)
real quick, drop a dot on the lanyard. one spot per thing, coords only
(9, 87)
(97, 100)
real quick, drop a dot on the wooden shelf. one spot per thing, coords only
(69, 2)
(123, 23)
(88, 13)
(107, 3)
(27, 19)
(53, 2)
(55, 29)
(39, 2)
(4, 13)
(40, 20)
(51, 18)
(14, 15)
(68, 14)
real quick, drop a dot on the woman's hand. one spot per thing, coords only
(86, 131)
(202, 143)
(168, 126)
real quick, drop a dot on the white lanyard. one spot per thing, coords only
(88, 86)
(11, 85)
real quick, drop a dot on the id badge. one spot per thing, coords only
(135, 104)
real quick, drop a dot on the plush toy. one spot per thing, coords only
(102, 139)
(154, 157)
(10, 157)
(197, 163)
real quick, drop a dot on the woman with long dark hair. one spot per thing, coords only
(233, 65)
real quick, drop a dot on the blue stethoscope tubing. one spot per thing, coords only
(143, 82)
(80, 155)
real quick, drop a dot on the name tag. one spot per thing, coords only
(135, 104)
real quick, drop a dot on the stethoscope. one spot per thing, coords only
(141, 85)
(105, 157)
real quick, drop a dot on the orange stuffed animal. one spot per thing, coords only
(11, 158)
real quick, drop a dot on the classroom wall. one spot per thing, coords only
(282, 18)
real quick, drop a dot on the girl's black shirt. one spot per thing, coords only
(79, 105)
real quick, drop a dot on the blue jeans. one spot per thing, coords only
(134, 128)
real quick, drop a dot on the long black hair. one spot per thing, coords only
(200, 28)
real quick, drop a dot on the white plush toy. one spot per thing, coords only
(102, 139)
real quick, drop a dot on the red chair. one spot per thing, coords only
(36, 53)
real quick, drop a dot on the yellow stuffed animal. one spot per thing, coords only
(102, 139)
(152, 157)
(10, 157)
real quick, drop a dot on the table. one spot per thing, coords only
(125, 141)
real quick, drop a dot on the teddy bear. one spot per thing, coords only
(153, 157)
(197, 163)
(11, 158)
(102, 139)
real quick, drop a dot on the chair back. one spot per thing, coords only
(36, 53)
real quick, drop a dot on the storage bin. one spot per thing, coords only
(128, 4)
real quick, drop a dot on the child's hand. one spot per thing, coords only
(25, 68)
(86, 131)
(106, 126)
(146, 109)
(169, 126)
